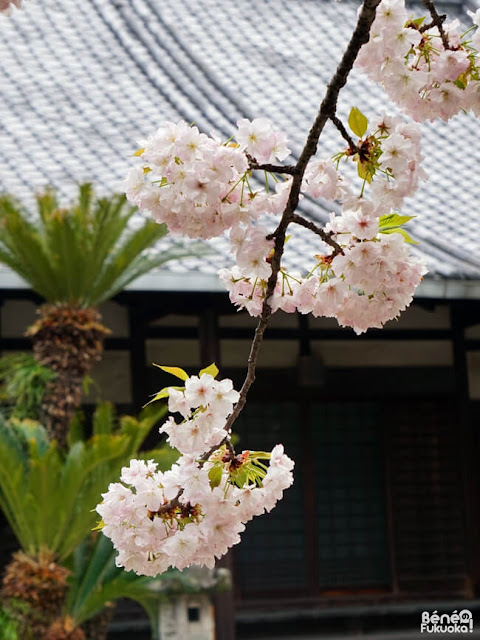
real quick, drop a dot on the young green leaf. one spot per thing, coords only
(164, 393)
(363, 172)
(402, 231)
(175, 371)
(215, 476)
(357, 122)
(211, 370)
(240, 476)
(418, 21)
(159, 396)
(393, 220)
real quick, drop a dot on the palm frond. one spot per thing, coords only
(104, 419)
(123, 265)
(145, 263)
(96, 580)
(108, 224)
(23, 381)
(13, 470)
(49, 498)
(22, 249)
(82, 255)
(8, 626)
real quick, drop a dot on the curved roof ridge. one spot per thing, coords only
(82, 82)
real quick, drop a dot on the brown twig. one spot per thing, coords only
(175, 502)
(326, 111)
(326, 237)
(168, 506)
(430, 25)
(437, 21)
(345, 135)
(289, 169)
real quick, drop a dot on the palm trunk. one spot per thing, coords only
(69, 341)
(33, 590)
(96, 628)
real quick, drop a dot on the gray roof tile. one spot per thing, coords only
(82, 82)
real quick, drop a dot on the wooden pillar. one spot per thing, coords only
(467, 448)
(308, 455)
(138, 364)
(310, 500)
(208, 333)
(389, 505)
(223, 602)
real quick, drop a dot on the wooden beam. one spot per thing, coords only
(246, 333)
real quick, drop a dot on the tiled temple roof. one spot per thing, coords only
(82, 82)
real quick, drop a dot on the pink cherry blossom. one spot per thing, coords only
(424, 78)
(261, 141)
(6, 6)
(322, 180)
(203, 519)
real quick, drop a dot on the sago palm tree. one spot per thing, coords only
(76, 259)
(48, 497)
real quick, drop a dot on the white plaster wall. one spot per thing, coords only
(112, 381)
(112, 374)
(384, 353)
(179, 353)
(16, 316)
(115, 317)
(473, 333)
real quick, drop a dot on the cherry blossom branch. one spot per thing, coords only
(326, 237)
(168, 506)
(289, 169)
(327, 110)
(437, 21)
(190, 529)
(175, 502)
(345, 135)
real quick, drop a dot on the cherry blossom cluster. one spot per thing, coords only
(388, 160)
(194, 512)
(200, 186)
(204, 404)
(6, 6)
(371, 276)
(429, 74)
(362, 273)
(370, 282)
